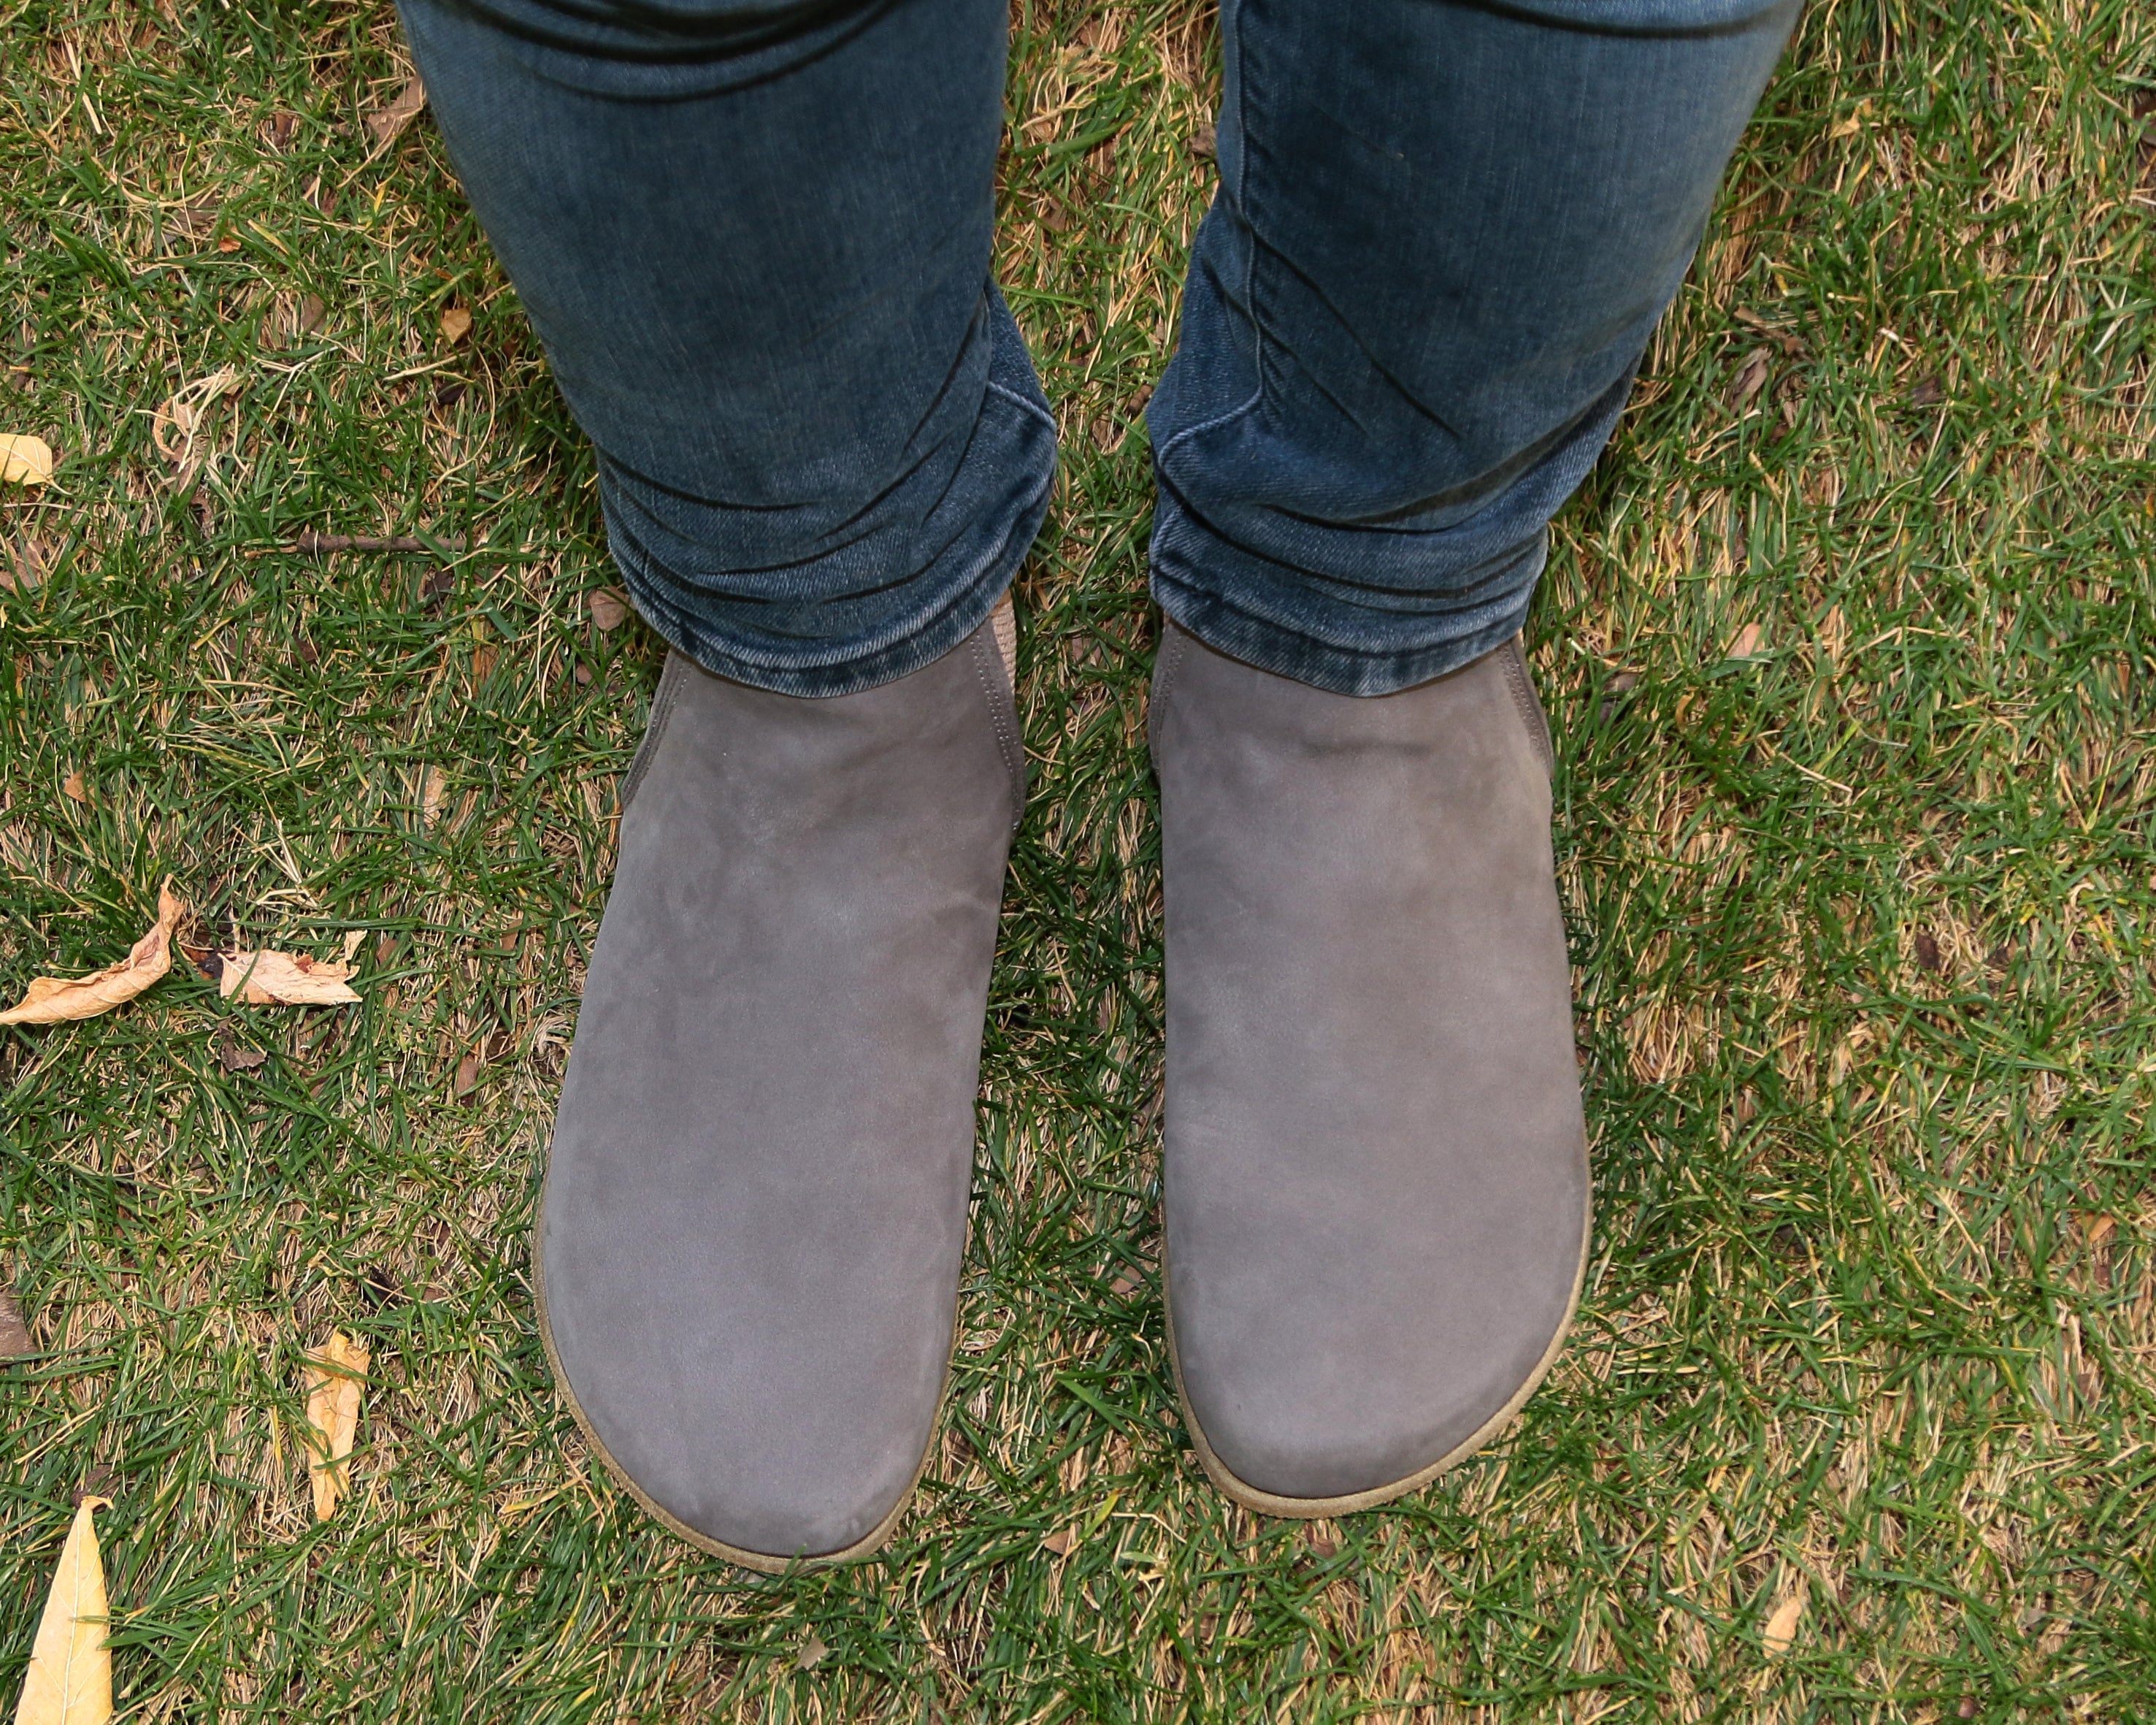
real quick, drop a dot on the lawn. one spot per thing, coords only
(1849, 645)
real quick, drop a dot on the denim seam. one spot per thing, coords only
(1033, 408)
(669, 686)
(1006, 745)
(1214, 424)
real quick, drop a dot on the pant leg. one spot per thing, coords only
(1444, 231)
(754, 239)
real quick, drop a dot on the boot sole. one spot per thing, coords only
(1307, 1509)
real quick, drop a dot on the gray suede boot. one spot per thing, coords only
(756, 1197)
(1376, 1169)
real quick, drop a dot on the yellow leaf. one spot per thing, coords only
(54, 1000)
(456, 325)
(1781, 1628)
(25, 461)
(334, 1374)
(69, 1681)
(264, 979)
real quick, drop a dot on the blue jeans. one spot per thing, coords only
(755, 237)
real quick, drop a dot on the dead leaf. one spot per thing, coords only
(388, 123)
(308, 315)
(456, 325)
(25, 459)
(233, 1058)
(353, 937)
(54, 1000)
(468, 1073)
(335, 1375)
(1927, 391)
(14, 1334)
(283, 124)
(264, 978)
(196, 218)
(1205, 141)
(74, 789)
(1125, 1285)
(180, 426)
(1059, 1543)
(1751, 378)
(2096, 1229)
(432, 789)
(1787, 340)
(812, 1653)
(1323, 1545)
(69, 1680)
(609, 610)
(1747, 642)
(1781, 1629)
(24, 569)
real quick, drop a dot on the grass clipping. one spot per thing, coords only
(56, 1000)
(69, 1680)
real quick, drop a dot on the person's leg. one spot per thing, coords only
(1443, 233)
(755, 241)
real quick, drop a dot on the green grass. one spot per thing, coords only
(1861, 923)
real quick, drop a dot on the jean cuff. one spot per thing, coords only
(1194, 568)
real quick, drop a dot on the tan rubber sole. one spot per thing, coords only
(764, 1562)
(1305, 1509)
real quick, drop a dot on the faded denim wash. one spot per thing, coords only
(755, 240)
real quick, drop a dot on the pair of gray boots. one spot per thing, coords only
(1375, 1178)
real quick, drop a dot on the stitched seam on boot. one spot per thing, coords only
(669, 686)
(1006, 742)
(1530, 709)
(1165, 666)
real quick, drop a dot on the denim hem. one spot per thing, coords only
(1199, 606)
(960, 607)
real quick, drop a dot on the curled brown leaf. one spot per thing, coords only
(56, 1000)
(270, 978)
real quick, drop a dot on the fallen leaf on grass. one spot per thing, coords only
(1059, 1543)
(14, 1334)
(196, 218)
(235, 1058)
(1781, 1629)
(812, 1653)
(1322, 1545)
(456, 325)
(1789, 341)
(1751, 377)
(69, 1681)
(336, 1373)
(25, 459)
(23, 569)
(609, 610)
(264, 979)
(387, 124)
(1747, 642)
(74, 789)
(55, 1000)
(179, 426)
